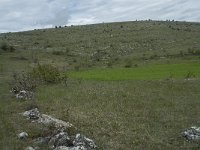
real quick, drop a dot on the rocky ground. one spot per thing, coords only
(59, 139)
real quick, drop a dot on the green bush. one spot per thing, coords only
(6, 47)
(46, 73)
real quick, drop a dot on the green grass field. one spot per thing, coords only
(149, 72)
(116, 91)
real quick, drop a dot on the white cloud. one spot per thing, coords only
(23, 15)
(126, 10)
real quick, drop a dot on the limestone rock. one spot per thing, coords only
(192, 134)
(69, 148)
(62, 148)
(29, 148)
(46, 119)
(34, 114)
(60, 139)
(41, 140)
(82, 141)
(24, 95)
(23, 135)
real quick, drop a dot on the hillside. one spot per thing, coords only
(110, 44)
(127, 85)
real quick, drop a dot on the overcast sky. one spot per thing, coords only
(19, 15)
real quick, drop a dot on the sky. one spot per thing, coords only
(21, 15)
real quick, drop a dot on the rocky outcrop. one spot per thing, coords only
(59, 138)
(35, 115)
(79, 142)
(192, 134)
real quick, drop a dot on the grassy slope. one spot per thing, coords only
(134, 114)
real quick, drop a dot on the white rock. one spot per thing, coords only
(29, 148)
(24, 94)
(192, 133)
(83, 142)
(70, 148)
(45, 119)
(62, 148)
(23, 135)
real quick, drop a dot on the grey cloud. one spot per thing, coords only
(23, 14)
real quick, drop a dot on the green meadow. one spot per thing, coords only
(149, 72)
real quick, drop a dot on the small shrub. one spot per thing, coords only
(23, 81)
(128, 64)
(12, 49)
(58, 53)
(1, 67)
(74, 60)
(189, 75)
(76, 67)
(181, 53)
(110, 64)
(154, 56)
(194, 51)
(5, 47)
(46, 73)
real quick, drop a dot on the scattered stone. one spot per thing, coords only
(41, 140)
(29, 148)
(192, 134)
(23, 135)
(23, 94)
(82, 141)
(60, 139)
(33, 114)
